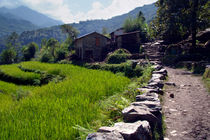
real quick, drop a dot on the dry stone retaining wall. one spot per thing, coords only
(142, 116)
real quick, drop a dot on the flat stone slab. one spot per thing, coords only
(139, 130)
(155, 84)
(162, 71)
(159, 76)
(157, 67)
(114, 135)
(153, 106)
(136, 113)
(151, 90)
(145, 97)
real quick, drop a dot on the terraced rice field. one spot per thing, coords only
(61, 109)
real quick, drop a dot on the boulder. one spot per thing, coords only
(155, 84)
(144, 97)
(151, 90)
(136, 113)
(139, 130)
(114, 135)
(153, 106)
(159, 76)
(155, 79)
(162, 71)
(157, 67)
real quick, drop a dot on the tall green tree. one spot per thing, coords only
(136, 24)
(13, 43)
(29, 51)
(8, 56)
(177, 19)
(72, 34)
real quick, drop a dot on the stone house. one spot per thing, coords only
(116, 33)
(93, 46)
(129, 41)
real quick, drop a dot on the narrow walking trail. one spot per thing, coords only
(187, 114)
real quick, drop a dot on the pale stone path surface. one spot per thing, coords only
(188, 113)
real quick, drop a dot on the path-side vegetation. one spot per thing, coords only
(56, 110)
(206, 78)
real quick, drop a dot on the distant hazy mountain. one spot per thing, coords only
(85, 27)
(34, 17)
(10, 23)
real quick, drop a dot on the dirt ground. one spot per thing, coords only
(187, 115)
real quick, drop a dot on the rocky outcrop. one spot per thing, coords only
(142, 116)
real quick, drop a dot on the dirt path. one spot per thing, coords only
(188, 113)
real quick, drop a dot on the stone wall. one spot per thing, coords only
(142, 116)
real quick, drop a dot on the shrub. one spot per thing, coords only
(46, 57)
(207, 73)
(117, 57)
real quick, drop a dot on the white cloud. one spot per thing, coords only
(117, 7)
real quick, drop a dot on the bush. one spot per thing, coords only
(117, 57)
(46, 57)
(207, 73)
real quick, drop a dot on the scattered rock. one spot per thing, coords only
(170, 84)
(172, 110)
(139, 130)
(173, 133)
(172, 95)
(114, 135)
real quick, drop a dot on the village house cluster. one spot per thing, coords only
(95, 46)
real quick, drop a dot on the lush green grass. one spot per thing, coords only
(60, 110)
(12, 73)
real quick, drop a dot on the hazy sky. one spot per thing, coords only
(78, 10)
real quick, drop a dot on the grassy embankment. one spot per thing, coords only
(67, 109)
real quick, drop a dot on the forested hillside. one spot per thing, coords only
(85, 27)
(10, 23)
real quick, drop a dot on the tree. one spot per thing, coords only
(72, 34)
(8, 56)
(177, 19)
(29, 51)
(137, 24)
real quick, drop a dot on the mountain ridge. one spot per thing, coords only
(85, 27)
(32, 16)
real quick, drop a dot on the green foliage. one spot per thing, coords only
(8, 56)
(118, 56)
(53, 51)
(137, 24)
(177, 19)
(11, 73)
(207, 73)
(57, 110)
(29, 51)
(127, 69)
(206, 78)
(45, 56)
